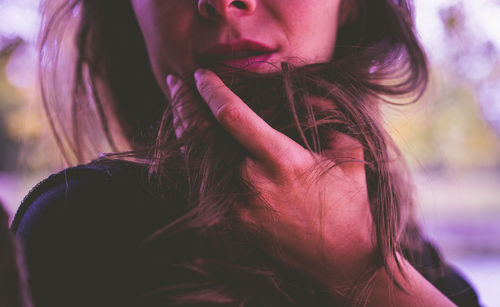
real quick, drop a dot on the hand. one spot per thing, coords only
(314, 211)
(314, 208)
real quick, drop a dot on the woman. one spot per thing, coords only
(264, 178)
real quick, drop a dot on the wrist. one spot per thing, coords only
(336, 272)
(412, 288)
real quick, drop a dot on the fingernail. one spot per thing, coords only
(199, 73)
(172, 81)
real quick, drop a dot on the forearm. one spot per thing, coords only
(417, 290)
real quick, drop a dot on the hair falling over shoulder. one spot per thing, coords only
(377, 60)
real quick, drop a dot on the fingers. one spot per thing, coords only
(174, 85)
(187, 109)
(251, 131)
(182, 102)
(344, 147)
(348, 153)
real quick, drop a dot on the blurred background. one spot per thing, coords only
(451, 138)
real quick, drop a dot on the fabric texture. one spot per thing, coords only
(82, 229)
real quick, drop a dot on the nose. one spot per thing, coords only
(211, 9)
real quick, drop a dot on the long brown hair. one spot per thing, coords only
(377, 59)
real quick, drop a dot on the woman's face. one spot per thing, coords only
(182, 35)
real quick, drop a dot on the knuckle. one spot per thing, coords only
(291, 167)
(247, 217)
(183, 93)
(204, 86)
(228, 114)
(251, 171)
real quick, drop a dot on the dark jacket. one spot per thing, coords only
(82, 230)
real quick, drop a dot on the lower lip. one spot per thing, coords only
(249, 63)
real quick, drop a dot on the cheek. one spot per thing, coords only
(312, 28)
(165, 37)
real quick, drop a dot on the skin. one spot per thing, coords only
(323, 224)
(285, 25)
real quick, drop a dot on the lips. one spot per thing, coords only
(243, 54)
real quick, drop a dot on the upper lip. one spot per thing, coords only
(233, 50)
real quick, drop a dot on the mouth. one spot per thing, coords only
(244, 54)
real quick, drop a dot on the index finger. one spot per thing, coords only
(264, 142)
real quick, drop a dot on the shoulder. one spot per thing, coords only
(103, 199)
(101, 189)
(80, 229)
(51, 194)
